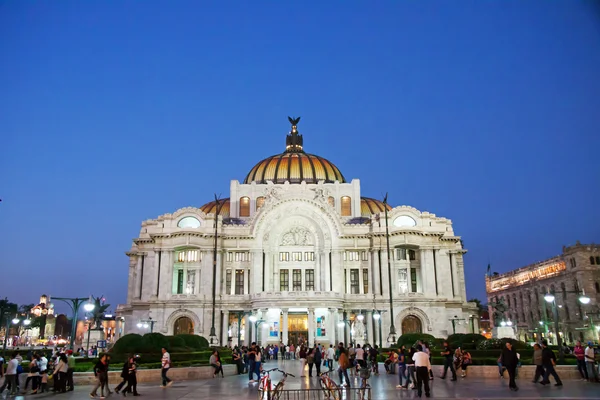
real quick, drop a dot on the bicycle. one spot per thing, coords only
(329, 387)
(265, 381)
(268, 391)
(279, 387)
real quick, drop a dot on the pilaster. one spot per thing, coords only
(311, 327)
(284, 328)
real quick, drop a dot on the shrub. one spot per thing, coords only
(410, 339)
(195, 342)
(499, 344)
(176, 342)
(130, 343)
(154, 341)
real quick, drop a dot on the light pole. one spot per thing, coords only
(377, 317)
(75, 303)
(454, 320)
(213, 333)
(392, 335)
(145, 323)
(342, 324)
(256, 323)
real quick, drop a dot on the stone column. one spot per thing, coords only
(225, 337)
(331, 327)
(246, 281)
(338, 271)
(311, 327)
(369, 327)
(375, 272)
(247, 330)
(284, 328)
(318, 276)
(325, 264)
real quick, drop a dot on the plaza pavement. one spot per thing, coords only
(383, 387)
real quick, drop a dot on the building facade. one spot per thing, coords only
(574, 273)
(299, 255)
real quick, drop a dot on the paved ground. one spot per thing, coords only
(383, 387)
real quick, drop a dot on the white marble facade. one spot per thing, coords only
(297, 266)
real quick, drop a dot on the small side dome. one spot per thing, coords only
(211, 208)
(369, 206)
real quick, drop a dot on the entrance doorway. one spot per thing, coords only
(298, 329)
(411, 324)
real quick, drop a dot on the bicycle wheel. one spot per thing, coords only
(335, 391)
(276, 393)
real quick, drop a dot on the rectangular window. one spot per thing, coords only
(192, 256)
(284, 256)
(180, 281)
(297, 256)
(351, 256)
(229, 256)
(297, 279)
(181, 256)
(191, 282)
(402, 280)
(309, 279)
(400, 254)
(364, 255)
(412, 255)
(345, 281)
(239, 281)
(309, 256)
(242, 256)
(365, 281)
(354, 282)
(228, 281)
(413, 280)
(284, 280)
(346, 206)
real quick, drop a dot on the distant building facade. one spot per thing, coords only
(568, 276)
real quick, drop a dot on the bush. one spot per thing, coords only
(410, 339)
(176, 342)
(154, 342)
(499, 344)
(466, 341)
(195, 342)
(130, 343)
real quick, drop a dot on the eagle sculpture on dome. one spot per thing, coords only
(294, 121)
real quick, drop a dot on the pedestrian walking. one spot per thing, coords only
(99, 369)
(318, 357)
(537, 361)
(448, 361)
(70, 370)
(344, 364)
(422, 366)
(509, 360)
(549, 361)
(10, 376)
(131, 378)
(165, 365)
(590, 363)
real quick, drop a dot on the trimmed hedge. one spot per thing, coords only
(410, 339)
(194, 341)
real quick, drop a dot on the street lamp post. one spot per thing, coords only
(145, 323)
(454, 320)
(213, 333)
(256, 323)
(75, 303)
(392, 335)
(342, 324)
(377, 317)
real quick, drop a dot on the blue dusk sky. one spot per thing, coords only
(114, 112)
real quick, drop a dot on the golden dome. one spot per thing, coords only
(294, 165)
(369, 206)
(211, 208)
(294, 168)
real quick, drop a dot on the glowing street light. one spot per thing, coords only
(376, 316)
(16, 321)
(583, 299)
(89, 306)
(360, 317)
(549, 297)
(253, 318)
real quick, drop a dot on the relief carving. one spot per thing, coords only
(297, 236)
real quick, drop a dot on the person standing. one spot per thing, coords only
(10, 377)
(165, 363)
(579, 352)
(590, 362)
(60, 373)
(318, 358)
(251, 354)
(537, 361)
(422, 366)
(359, 355)
(509, 360)
(373, 355)
(302, 354)
(310, 360)
(448, 361)
(330, 357)
(344, 364)
(549, 361)
(402, 368)
(70, 370)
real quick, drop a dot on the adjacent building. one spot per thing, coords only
(569, 276)
(297, 253)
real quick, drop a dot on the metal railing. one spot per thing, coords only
(344, 393)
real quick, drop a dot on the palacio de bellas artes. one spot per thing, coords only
(297, 254)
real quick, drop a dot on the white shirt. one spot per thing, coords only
(360, 354)
(589, 354)
(330, 353)
(43, 364)
(11, 367)
(166, 360)
(421, 359)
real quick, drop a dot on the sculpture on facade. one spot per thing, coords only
(499, 308)
(233, 328)
(359, 331)
(297, 236)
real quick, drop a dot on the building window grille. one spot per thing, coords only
(284, 280)
(191, 282)
(239, 281)
(297, 280)
(309, 278)
(354, 282)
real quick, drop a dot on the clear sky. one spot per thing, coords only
(113, 112)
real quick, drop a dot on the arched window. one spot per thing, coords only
(592, 260)
(244, 206)
(331, 201)
(346, 206)
(183, 325)
(260, 201)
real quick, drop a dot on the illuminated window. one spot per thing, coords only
(245, 206)
(354, 282)
(284, 280)
(188, 222)
(228, 282)
(239, 281)
(260, 201)
(297, 279)
(331, 201)
(365, 281)
(189, 256)
(284, 256)
(309, 256)
(346, 206)
(309, 279)
(297, 256)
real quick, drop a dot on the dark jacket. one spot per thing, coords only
(317, 355)
(509, 358)
(100, 368)
(547, 357)
(125, 370)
